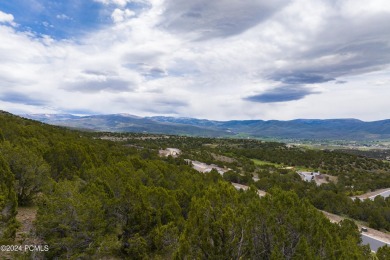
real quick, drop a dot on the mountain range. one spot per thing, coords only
(317, 129)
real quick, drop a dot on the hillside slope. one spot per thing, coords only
(127, 123)
(331, 129)
(98, 199)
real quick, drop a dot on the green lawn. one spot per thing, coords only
(260, 162)
(277, 165)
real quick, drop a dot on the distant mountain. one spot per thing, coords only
(335, 129)
(126, 123)
(47, 118)
(340, 129)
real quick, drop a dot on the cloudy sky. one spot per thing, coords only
(220, 59)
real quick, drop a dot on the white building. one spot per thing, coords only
(308, 176)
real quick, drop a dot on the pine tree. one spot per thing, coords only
(383, 253)
(30, 170)
(215, 227)
(2, 139)
(8, 203)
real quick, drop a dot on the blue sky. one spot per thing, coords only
(225, 59)
(58, 19)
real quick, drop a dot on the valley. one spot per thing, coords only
(347, 132)
(138, 195)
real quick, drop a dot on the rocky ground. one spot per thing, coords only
(25, 237)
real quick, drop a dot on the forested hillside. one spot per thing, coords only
(302, 129)
(119, 200)
(277, 164)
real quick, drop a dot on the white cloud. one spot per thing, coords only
(158, 62)
(7, 18)
(120, 3)
(221, 18)
(119, 15)
(63, 17)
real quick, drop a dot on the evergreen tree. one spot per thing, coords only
(2, 139)
(30, 170)
(215, 227)
(72, 219)
(383, 253)
(8, 203)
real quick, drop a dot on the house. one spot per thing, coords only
(174, 152)
(308, 176)
(203, 167)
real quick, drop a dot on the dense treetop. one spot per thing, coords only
(98, 198)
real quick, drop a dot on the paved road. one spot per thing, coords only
(373, 242)
(384, 194)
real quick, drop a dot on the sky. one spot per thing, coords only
(221, 59)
